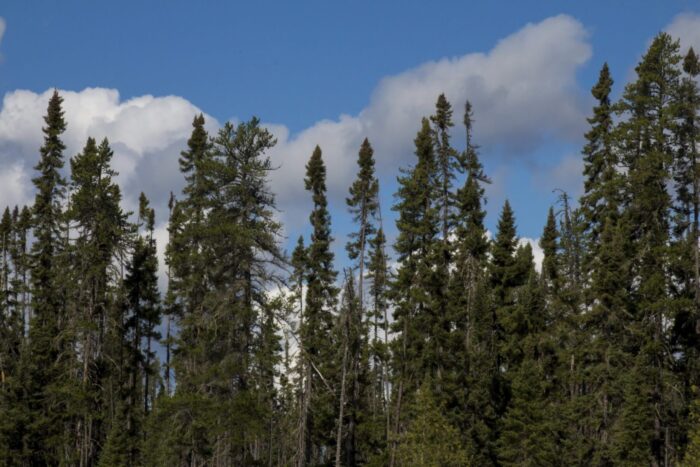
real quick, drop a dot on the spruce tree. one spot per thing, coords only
(648, 104)
(430, 439)
(602, 181)
(447, 163)
(378, 321)
(230, 229)
(471, 354)
(684, 254)
(187, 258)
(549, 245)
(529, 429)
(44, 362)
(95, 214)
(505, 278)
(317, 328)
(363, 204)
(605, 354)
(417, 224)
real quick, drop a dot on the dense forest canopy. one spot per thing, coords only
(447, 347)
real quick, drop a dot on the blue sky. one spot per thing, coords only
(326, 72)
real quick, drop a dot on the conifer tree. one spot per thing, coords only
(430, 439)
(95, 214)
(229, 226)
(648, 104)
(417, 224)
(378, 320)
(692, 452)
(605, 353)
(602, 180)
(472, 363)
(317, 328)
(447, 163)
(141, 316)
(550, 261)
(529, 433)
(44, 363)
(363, 204)
(684, 253)
(187, 256)
(504, 278)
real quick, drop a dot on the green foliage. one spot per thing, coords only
(430, 439)
(412, 289)
(591, 359)
(692, 452)
(42, 367)
(317, 326)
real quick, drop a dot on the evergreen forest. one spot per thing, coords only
(444, 346)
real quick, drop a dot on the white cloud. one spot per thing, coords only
(523, 91)
(537, 253)
(14, 185)
(147, 133)
(162, 236)
(686, 27)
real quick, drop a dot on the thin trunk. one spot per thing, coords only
(396, 424)
(696, 229)
(304, 438)
(341, 404)
(303, 447)
(146, 372)
(385, 376)
(171, 204)
(392, 457)
(167, 355)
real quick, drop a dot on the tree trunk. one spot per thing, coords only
(341, 404)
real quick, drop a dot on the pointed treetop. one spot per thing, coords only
(423, 141)
(443, 113)
(691, 64)
(468, 118)
(315, 172)
(601, 90)
(298, 259)
(54, 118)
(146, 213)
(506, 222)
(6, 222)
(197, 145)
(548, 243)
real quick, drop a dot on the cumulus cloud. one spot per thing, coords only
(523, 91)
(147, 133)
(686, 27)
(14, 185)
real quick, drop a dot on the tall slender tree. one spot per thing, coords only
(473, 366)
(317, 328)
(418, 224)
(602, 179)
(363, 205)
(43, 366)
(101, 228)
(648, 102)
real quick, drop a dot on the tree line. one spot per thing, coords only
(447, 348)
